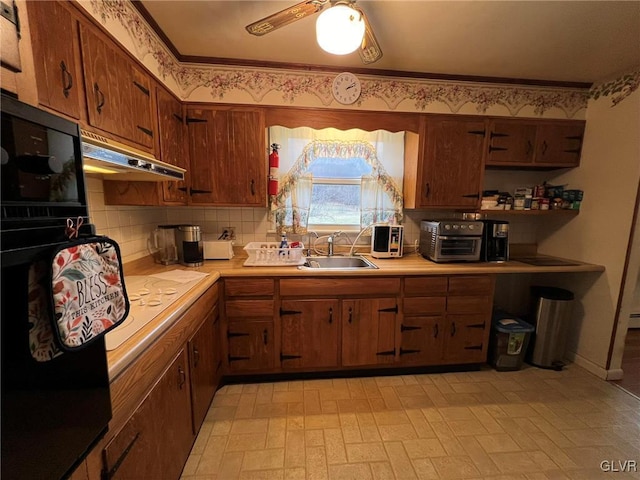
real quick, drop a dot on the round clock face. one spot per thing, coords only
(346, 88)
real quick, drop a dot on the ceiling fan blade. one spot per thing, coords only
(286, 16)
(370, 50)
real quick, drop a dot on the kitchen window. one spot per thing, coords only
(331, 179)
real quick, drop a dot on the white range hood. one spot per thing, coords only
(116, 161)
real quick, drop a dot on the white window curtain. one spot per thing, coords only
(381, 192)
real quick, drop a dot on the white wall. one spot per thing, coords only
(609, 173)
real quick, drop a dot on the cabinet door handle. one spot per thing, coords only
(529, 147)
(196, 356)
(142, 88)
(67, 79)
(427, 189)
(330, 315)
(265, 336)
(99, 97)
(182, 377)
(146, 131)
(193, 191)
(253, 187)
(435, 331)
(453, 328)
(544, 147)
(177, 117)
(350, 315)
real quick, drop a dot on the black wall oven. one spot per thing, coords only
(54, 411)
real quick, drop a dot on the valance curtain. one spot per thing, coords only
(381, 193)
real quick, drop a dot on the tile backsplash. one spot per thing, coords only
(131, 227)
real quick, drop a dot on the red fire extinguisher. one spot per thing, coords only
(274, 163)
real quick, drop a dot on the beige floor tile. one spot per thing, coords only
(424, 448)
(329, 406)
(391, 418)
(455, 467)
(402, 466)
(420, 424)
(249, 426)
(316, 463)
(314, 438)
(231, 465)
(495, 443)
(335, 393)
(389, 381)
(261, 475)
(397, 432)
(226, 400)
(246, 441)
(263, 459)
(354, 405)
(424, 469)
(359, 471)
(221, 427)
(211, 456)
(191, 466)
(482, 461)
(417, 401)
(295, 449)
(269, 410)
(382, 471)
(334, 446)
(298, 473)
(311, 400)
(220, 413)
(264, 393)
(331, 420)
(466, 427)
(281, 386)
(409, 390)
(295, 408)
(456, 413)
(287, 396)
(520, 462)
(366, 452)
(295, 423)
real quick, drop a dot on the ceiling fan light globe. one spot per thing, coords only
(340, 30)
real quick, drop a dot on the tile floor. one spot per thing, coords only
(531, 424)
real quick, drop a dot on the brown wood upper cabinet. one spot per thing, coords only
(57, 54)
(227, 156)
(535, 143)
(119, 95)
(444, 162)
(172, 149)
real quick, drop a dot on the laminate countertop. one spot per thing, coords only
(408, 265)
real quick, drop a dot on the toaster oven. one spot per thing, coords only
(451, 240)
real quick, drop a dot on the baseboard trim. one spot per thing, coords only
(588, 365)
(615, 374)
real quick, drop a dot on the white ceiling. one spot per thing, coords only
(573, 41)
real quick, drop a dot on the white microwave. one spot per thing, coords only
(386, 241)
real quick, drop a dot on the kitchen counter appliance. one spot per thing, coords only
(451, 240)
(190, 249)
(386, 241)
(54, 411)
(495, 241)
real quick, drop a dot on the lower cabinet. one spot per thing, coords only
(205, 366)
(421, 340)
(368, 331)
(309, 333)
(465, 339)
(156, 440)
(250, 345)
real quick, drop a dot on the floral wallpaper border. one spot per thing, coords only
(619, 88)
(403, 94)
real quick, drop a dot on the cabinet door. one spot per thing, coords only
(203, 364)
(156, 441)
(452, 163)
(466, 339)
(98, 60)
(228, 162)
(511, 143)
(250, 345)
(171, 133)
(247, 161)
(559, 144)
(309, 333)
(421, 340)
(368, 331)
(54, 32)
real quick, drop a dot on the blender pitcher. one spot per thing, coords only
(162, 245)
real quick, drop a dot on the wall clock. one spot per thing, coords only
(346, 88)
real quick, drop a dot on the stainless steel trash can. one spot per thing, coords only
(552, 315)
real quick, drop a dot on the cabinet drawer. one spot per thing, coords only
(238, 309)
(424, 305)
(339, 286)
(470, 285)
(248, 287)
(422, 286)
(469, 304)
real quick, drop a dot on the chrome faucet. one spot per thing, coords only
(330, 245)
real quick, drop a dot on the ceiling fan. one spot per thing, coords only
(341, 18)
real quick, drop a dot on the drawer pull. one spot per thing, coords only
(453, 328)
(405, 328)
(390, 309)
(289, 312)
(284, 357)
(387, 352)
(474, 347)
(265, 336)
(404, 352)
(350, 315)
(477, 325)
(236, 359)
(330, 315)
(435, 331)
(67, 79)
(233, 334)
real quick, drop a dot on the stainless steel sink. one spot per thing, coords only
(337, 263)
